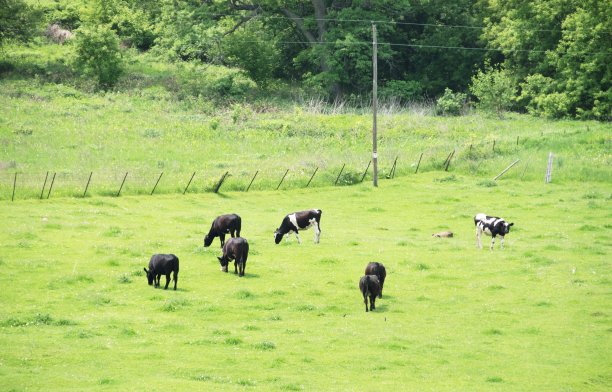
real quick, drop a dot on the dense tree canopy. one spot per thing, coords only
(556, 54)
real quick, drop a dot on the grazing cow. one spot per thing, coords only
(370, 287)
(492, 226)
(301, 220)
(162, 265)
(223, 224)
(443, 234)
(236, 249)
(379, 270)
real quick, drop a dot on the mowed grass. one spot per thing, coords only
(76, 312)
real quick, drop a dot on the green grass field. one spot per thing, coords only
(76, 312)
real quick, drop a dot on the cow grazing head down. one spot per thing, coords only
(236, 249)
(162, 264)
(491, 226)
(222, 225)
(301, 220)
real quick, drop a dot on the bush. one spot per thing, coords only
(450, 104)
(494, 88)
(215, 81)
(405, 90)
(98, 55)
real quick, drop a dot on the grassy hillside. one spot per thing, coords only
(156, 122)
(77, 314)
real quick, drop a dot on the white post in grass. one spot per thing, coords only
(548, 177)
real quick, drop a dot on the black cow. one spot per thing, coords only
(492, 226)
(236, 249)
(370, 287)
(162, 265)
(375, 268)
(300, 220)
(223, 224)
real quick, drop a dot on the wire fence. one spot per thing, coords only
(487, 160)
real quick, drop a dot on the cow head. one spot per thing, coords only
(224, 261)
(150, 276)
(507, 227)
(208, 239)
(278, 236)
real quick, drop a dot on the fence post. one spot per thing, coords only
(366, 170)
(524, 170)
(87, 186)
(122, 182)
(418, 164)
(339, 174)
(51, 186)
(392, 171)
(517, 139)
(448, 160)
(44, 184)
(281, 181)
(253, 179)
(494, 145)
(160, 176)
(221, 182)
(189, 183)
(14, 185)
(548, 177)
(506, 169)
(311, 177)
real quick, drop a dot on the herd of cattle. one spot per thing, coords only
(237, 248)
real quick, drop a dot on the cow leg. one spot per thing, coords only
(235, 266)
(372, 300)
(167, 281)
(175, 279)
(502, 241)
(478, 240)
(365, 301)
(492, 242)
(157, 279)
(317, 232)
(298, 237)
(237, 232)
(222, 238)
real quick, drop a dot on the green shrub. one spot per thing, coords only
(450, 104)
(494, 88)
(404, 90)
(214, 81)
(98, 55)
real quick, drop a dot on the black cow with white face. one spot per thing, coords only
(222, 225)
(492, 226)
(236, 249)
(301, 220)
(162, 264)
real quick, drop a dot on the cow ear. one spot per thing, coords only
(511, 224)
(220, 259)
(145, 270)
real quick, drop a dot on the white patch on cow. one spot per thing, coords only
(314, 223)
(293, 220)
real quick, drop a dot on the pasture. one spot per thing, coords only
(76, 312)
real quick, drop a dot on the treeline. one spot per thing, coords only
(546, 57)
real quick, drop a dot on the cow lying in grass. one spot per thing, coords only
(161, 264)
(443, 234)
(301, 220)
(236, 249)
(222, 225)
(370, 287)
(492, 226)
(379, 270)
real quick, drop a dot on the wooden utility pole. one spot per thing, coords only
(374, 105)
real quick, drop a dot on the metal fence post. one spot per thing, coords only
(281, 181)
(252, 179)
(311, 177)
(339, 174)
(160, 176)
(189, 183)
(122, 182)
(43, 187)
(87, 186)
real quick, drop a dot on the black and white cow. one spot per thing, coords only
(162, 264)
(375, 268)
(236, 249)
(370, 287)
(300, 220)
(492, 226)
(223, 224)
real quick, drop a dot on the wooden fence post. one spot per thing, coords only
(44, 184)
(392, 171)
(494, 145)
(160, 176)
(87, 186)
(452, 154)
(51, 186)
(418, 164)
(311, 177)
(221, 182)
(506, 169)
(253, 179)
(281, 181)
(339, 174)
(122, 182)
(366, 170)
(14, 186)
(189, 183)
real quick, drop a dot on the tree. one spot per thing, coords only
(18, 21)
(494, 89)
(98, 54)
